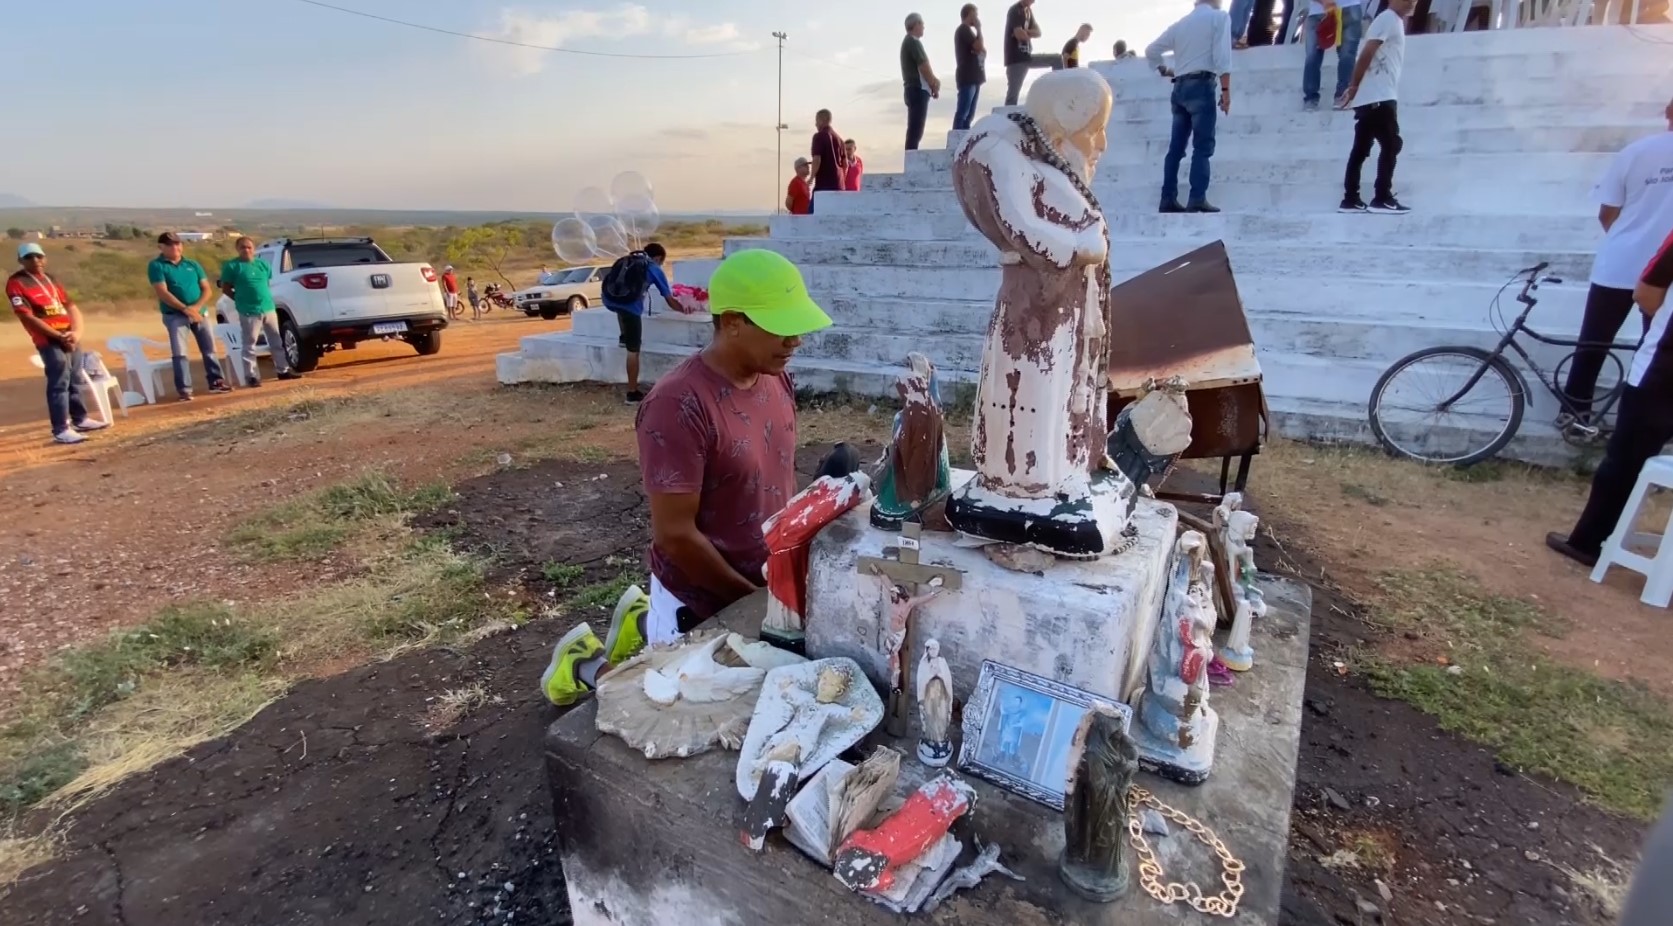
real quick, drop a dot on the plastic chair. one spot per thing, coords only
(142, 371)
(96, 391)
(1657, 568)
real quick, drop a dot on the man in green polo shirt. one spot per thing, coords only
(183, 293)
(245, 279)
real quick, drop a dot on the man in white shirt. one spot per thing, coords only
(1347, 48)
(1202, 52)
(1643, 425)
(1635, 208)
(1373, 94)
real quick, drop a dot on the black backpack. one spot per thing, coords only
(628, 278)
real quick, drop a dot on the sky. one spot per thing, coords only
(214, 103)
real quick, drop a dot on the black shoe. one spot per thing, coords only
(1352, 204)
(1172, 208)
(252, 384)
(290, 374)
(184, 397)
(1388, 205)
(1202, 207)
(635, 397)
(1559, 543)
(222, 386)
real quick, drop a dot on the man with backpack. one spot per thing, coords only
(626, 284)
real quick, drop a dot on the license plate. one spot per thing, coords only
(389, 328)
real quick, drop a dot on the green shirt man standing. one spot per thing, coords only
(183, 293)
(246, 280)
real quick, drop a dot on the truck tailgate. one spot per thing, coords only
(364, 291)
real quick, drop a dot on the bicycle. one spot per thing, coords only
(1480, 394)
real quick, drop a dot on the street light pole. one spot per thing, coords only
(779, 126)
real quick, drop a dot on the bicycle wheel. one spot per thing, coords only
(1409, 420)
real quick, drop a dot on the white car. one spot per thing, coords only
(336, 292)
(563, 292)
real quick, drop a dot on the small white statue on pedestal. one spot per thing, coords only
(1237, 535)
(1176, 728)
(935, 706)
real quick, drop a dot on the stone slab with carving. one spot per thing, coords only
(823, 707)
(1088, 623)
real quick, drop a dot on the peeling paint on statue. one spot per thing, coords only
(1022, 179)
(788, 535)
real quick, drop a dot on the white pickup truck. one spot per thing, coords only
(336, 292)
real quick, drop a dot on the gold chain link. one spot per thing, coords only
(1150, 870)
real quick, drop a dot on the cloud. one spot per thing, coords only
(711, 35)
(848, 54)
(683, 133)
(570, 28)
(880, 90)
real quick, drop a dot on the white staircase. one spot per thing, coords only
(1505, 133)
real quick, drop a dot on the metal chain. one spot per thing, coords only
(1150, 870)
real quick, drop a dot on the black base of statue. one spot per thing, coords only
(1070, 530)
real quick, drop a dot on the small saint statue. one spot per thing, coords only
(935, 706)
(1024, 180)
(1176, 728)
(917, 470)
(1237, 536)
(1103, 761)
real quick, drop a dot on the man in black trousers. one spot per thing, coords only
(1643, 426)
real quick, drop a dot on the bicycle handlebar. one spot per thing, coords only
(1535, 270)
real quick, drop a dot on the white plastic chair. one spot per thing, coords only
(1656, 568)
(96, 391)
(143, 372)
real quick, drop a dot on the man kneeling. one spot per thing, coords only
(717, 453)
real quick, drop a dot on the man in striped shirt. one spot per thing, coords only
(1643, 426)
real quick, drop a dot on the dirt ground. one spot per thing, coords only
(336, 804)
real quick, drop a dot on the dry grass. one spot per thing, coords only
(456, 704)
(1608, 883)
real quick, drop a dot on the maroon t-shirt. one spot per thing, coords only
(734, 448)
(833, 160)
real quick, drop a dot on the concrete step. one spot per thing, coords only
(1333, 137)
(1549, 233)
(1533, 168)
(1349, 296)
(1454, 192)
(1136, 255)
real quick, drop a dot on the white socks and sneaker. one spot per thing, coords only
(68, 437)
(91, 424)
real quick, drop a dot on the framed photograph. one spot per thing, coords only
(1018, 728)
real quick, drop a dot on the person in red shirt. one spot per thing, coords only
(450, 291)
(50, 316)
(856, 167)
(829, 162)
(798, 199)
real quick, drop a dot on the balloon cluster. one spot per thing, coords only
(606, 226)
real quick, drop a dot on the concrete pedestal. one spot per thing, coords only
(1083, 623)
(648, 843)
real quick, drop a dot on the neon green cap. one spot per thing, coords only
(768, 290)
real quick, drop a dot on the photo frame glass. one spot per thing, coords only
(1019, 730)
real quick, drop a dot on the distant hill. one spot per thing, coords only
(286, 204)
(13, 201)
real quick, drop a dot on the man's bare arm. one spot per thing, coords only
(168, 298)
(1606, 216)
(39, 328)
(1649, 298)
(1367, 52)
(205, 291)
(674, 531)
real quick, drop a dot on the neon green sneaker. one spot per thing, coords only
(627, 625)
(559, 682)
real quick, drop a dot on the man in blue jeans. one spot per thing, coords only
(1202, 56)
(1347, 49)
(970, 60)
(183, 294)
(50, 316)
